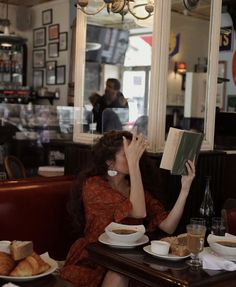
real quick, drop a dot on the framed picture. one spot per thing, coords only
(47, 17)
(38, 76)
(51, 72)
(221, 86)
(53, 50)
(61, 75)
(53, 32)
(38, 58)
(39, 37)
(63, 39)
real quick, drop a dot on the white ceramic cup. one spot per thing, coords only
(160, 247)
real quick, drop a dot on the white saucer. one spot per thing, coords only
(170, 257)
(105, 239)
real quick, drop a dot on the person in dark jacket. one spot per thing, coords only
(112, 98)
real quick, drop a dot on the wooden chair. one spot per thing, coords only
(14, 167)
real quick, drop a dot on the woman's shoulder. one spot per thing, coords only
(95, 180)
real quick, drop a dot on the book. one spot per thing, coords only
(180, 146)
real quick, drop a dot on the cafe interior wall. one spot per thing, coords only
(61, 12)
(226, 21)
(182, 25)
(61, 15)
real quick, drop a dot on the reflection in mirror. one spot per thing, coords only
(188, 66)
(117, 73)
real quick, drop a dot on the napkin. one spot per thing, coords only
(214, 262)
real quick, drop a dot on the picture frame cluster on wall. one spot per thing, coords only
(49, 36)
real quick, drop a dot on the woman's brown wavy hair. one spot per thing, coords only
(105, 149)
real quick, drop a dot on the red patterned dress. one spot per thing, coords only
(102, 205)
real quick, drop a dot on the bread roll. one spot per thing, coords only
(7, 264)
(182, 239)
(179, 250)
(31, 265)
(21, 249)
(178, 244)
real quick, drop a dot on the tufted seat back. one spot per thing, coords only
(36, 209)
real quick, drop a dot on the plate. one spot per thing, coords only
(47, 259)
(170, 257)
(105, 239)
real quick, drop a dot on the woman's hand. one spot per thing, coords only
(186, 180)
(135, 148)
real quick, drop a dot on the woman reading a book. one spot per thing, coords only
(112, 190)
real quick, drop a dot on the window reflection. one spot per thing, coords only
(186, 90)
(123, 54)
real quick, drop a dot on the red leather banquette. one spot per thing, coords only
(36, 209)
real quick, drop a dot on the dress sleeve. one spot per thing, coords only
(156, 212)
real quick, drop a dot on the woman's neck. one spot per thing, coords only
(119, 183)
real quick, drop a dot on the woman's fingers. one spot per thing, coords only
(190, 167)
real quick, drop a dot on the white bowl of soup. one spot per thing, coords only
(223, 245)
(124, 233)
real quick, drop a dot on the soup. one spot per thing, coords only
(227, 243)
(124, 231)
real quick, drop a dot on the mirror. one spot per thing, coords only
(188, 66)
(162, 93)
(119, 50)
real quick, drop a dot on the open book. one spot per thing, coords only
(180, 146)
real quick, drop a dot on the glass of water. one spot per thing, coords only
(198, 220)
(3, 175)
(218, 226)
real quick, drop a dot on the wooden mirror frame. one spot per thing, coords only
(159, 71)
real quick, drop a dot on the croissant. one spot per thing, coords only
(7, 264)
(31, 265)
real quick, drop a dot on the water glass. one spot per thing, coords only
(195, 243)
(218, 226)
(3, 175)
(198, 220)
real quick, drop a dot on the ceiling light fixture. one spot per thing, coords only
(122, 7)
(7, 39)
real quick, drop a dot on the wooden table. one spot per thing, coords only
(137, 264)
(48, 281)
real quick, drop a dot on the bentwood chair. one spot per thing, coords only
(14, 167)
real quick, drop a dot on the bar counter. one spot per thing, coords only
(152, 271)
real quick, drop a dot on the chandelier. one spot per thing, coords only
(121, 7)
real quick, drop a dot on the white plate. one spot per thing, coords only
(105, 239)
(47, 259)
(170, 257)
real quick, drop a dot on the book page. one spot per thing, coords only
(171, 146)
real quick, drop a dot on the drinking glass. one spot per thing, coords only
(3, 175)
(198, 220)
(195, 243)
(218, 226)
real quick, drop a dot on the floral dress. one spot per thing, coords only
(102, 205)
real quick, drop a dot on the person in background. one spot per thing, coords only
(112, 98)
(111, 190)
(94, 98)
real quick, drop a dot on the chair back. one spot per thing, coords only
(14, 167)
